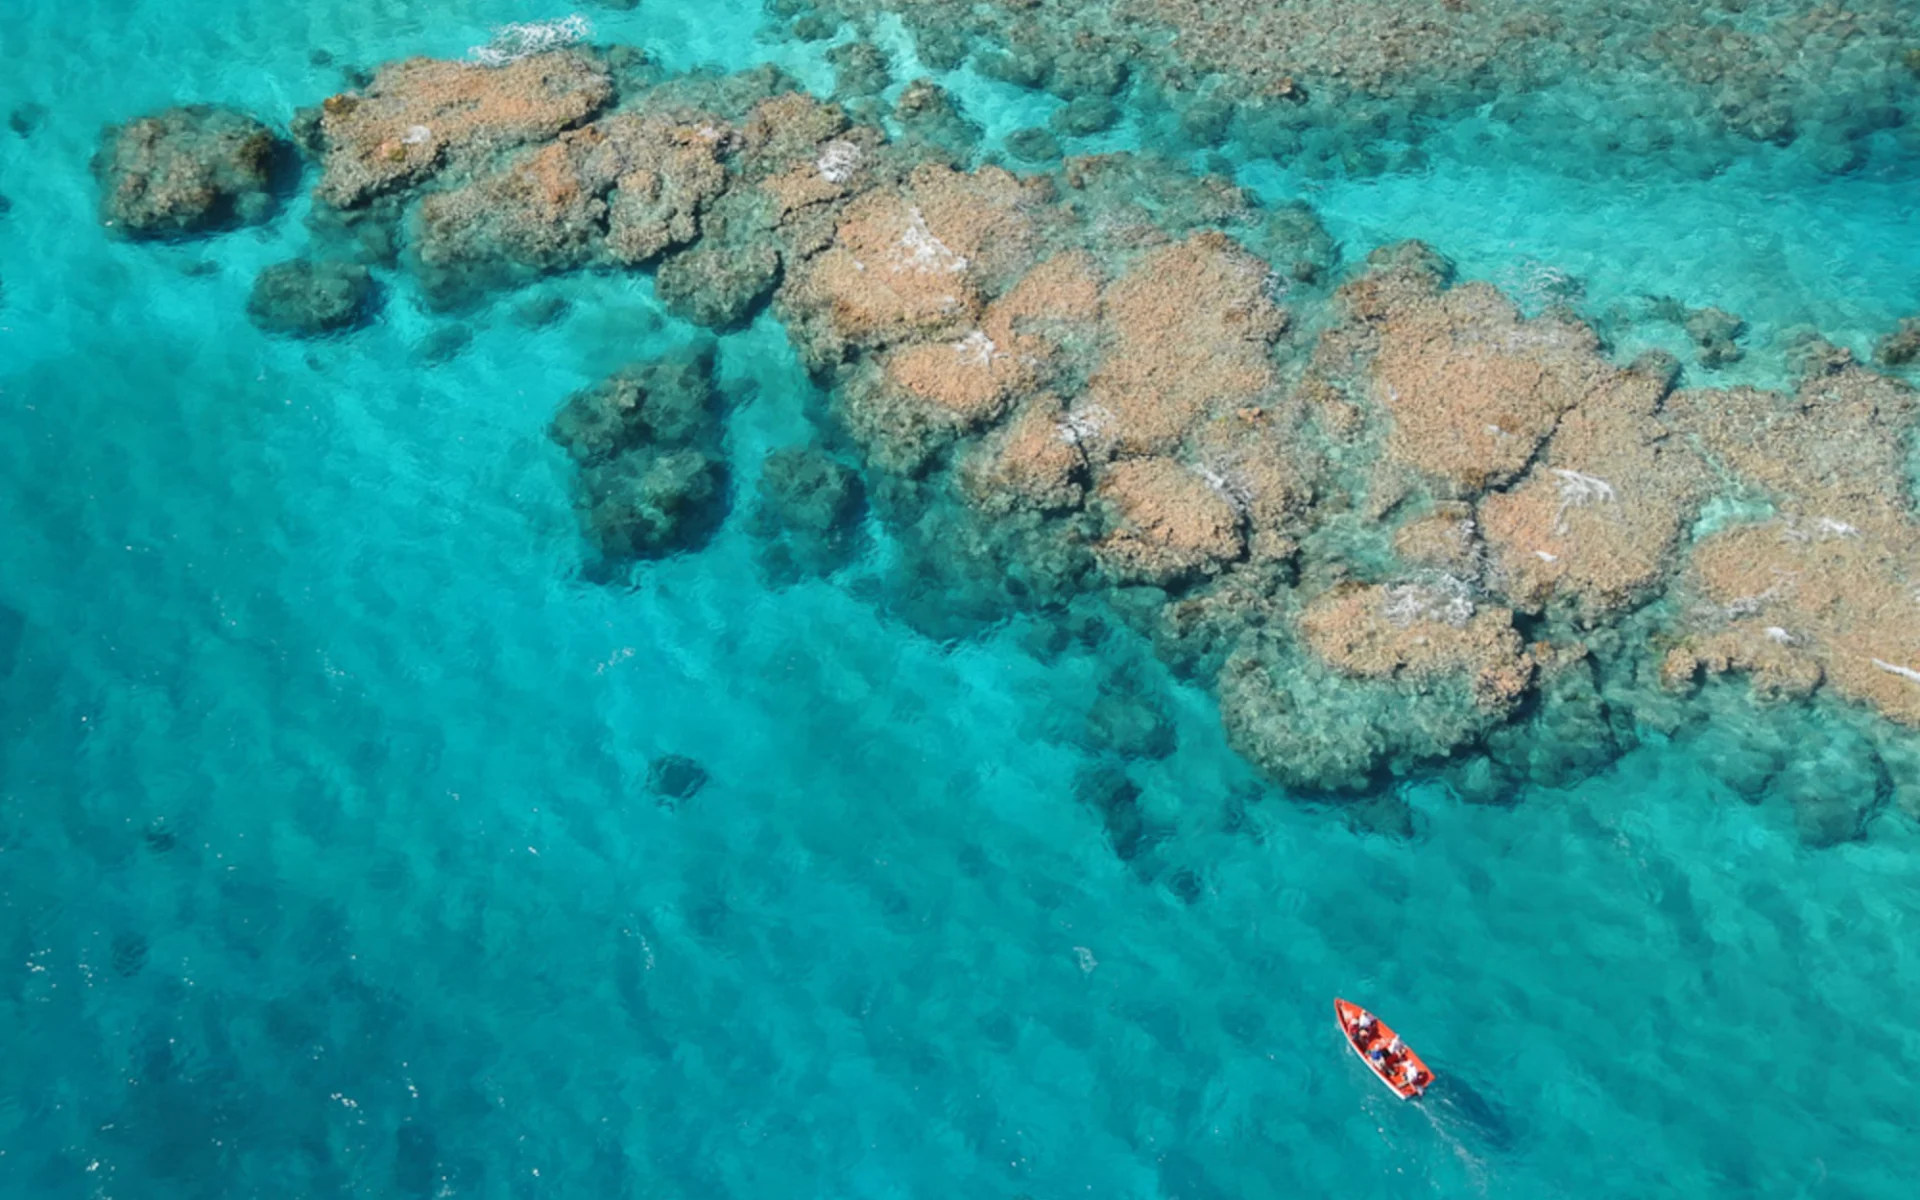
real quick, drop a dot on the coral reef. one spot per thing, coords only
(911, 263)
(1035, 460)
(1313, 729)
(718, 285)
(1471, 389)
(1396, 525)
(1384, 677)
(1355, 86)
(307, 298)
(187, 171)
(1417, 630)
(1192, 325)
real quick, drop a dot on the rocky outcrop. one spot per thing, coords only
(191, 170)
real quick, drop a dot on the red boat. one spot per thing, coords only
(1392, 1067)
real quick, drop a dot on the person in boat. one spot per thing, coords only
(1396, 1048)
(1412, 1076)
(1363, 1028)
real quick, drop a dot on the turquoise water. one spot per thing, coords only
(328, 865)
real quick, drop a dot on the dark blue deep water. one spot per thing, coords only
(329, 867)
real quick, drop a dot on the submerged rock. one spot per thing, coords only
(669, 402)
(932, 120)
(675, 777)
(1115, 799)
(1131, 718)
(648, 505)
(808, 513)
(1033, 145)
(445, 344)
(307, 298)
(25, 119)
(1714, 331)
(719, 286)
(541, 310)
(652, 480)
(1900, 347)
(859, 69)
(190, 170)
(1085, 115)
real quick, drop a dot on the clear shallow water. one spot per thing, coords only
(327, 865)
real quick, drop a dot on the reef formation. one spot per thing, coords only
(1358, 86)
(1394, 524)
(189, 170)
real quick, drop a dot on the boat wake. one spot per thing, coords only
(1470, 1125)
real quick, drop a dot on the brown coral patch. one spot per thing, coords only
(1472, 389)
(975, 377)
(1599, 520)
(1838, 444)
(1836, 578)
(1062, 291)
(1192, 324)
(540, 212)
(1844, 596)
(1253, 457)
(1169, 523)
(1032, 462)
(1446, 539)
(419, 114)
(804, 185)
(971, 378)
(1777, 669)
(667, 173)
(635, 185)
(1417, 630)
(915, 263)
(788, 130)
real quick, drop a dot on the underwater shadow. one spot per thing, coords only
(1461, 1111)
